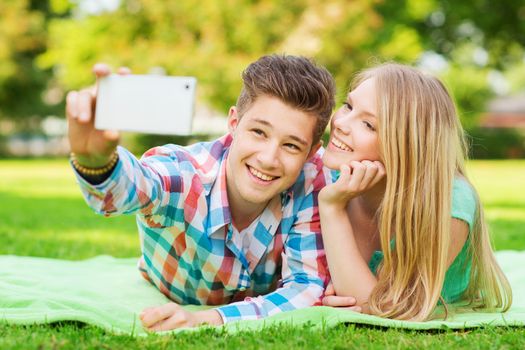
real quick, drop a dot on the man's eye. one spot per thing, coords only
(292, 146)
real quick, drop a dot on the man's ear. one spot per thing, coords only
(314, 149)
(233, 119)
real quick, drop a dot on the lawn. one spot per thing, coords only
(43, 214)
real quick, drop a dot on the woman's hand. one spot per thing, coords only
(347, 303)
(172, 316)
(354, 179)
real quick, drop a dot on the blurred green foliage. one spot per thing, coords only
(48, 46)
(23, 37)
(491, 143)
(207, 39)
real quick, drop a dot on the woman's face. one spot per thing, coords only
(353, 134)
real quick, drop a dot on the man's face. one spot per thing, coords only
(271, 143)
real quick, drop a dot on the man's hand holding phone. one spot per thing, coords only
(137, 103)
(93, 148)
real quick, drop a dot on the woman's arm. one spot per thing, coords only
(337, 260)
(348, 269)
(458, 236)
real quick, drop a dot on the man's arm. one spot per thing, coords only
(114, 181)
(148, 185)
(304, 277)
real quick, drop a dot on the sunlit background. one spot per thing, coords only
(48, 47)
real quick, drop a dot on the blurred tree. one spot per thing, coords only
(479, 38)
(496, 26)
(464, 43)
(215, 40)
(205, 38)
(339, 34)
(23, 37)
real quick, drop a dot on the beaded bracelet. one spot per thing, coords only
(94, 171)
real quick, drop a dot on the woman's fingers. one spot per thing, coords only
(344, 175)
(338, 301)
(358, 173)
(379, 173)
(365, 174)
(356, 177)
(329, 289)
(370, 174)
(347, 303)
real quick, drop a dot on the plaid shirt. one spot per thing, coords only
(190, 250)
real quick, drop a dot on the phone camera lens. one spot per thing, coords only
(187, 86)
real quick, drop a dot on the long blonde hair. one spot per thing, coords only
(423, 148)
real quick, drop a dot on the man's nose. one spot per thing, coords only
(268, 156)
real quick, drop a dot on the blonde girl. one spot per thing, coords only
(403, 228)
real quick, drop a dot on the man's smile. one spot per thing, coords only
(260, 175)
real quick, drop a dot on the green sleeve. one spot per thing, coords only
(464, 202)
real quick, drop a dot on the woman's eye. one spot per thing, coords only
(368, 125)
(347, 106)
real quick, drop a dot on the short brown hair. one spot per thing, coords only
(296, 81)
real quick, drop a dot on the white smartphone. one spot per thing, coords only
(146, 104)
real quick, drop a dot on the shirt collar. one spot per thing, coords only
(262, 232)
(219, 208)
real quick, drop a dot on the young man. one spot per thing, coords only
(233, 221)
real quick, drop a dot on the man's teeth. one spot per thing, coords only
(260, 175)
(340, 145)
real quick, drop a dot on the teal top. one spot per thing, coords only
(458, 274)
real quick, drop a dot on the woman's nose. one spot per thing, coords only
(342, 124)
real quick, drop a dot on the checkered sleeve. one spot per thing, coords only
(149, 186)
(304, 269)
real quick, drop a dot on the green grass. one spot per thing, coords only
(43, 214)
(501, 185)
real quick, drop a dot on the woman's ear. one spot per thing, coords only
(233, 119)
